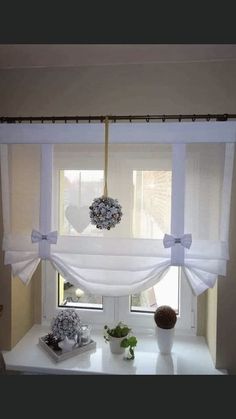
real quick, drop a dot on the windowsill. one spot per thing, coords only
(190, 356)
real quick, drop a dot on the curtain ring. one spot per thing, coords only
(163, 118)
(194, 118)
(208, 117)
(148, 118)
(180, 118)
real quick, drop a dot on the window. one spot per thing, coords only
(127, 259)
(151, 203)
(72, 296)
(165, 292)
(77, 189)
(143, 187)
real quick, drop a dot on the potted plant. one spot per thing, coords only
(165, 319)
(119, 338)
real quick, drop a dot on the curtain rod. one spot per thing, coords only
(115, 118)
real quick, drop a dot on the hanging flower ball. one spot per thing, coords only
(105, 212)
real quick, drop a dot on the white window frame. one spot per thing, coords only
(186, 318)
(86, 133)
(118, 308)
(50, 301)
(114, 308)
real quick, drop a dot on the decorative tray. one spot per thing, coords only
(62, 354)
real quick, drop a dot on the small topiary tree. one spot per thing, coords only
(165, 317)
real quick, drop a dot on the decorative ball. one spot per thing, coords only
(105, 212)
(66, 323)
(165, 317)
(79, 293)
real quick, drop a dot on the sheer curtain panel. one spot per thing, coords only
(175, 197)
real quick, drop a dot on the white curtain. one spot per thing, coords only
(209, 169)
(163, 189)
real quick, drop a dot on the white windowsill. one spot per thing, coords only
(190, 355)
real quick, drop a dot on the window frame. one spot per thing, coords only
(187, 310)
(50, 300)
(118, 308)
(112, 306)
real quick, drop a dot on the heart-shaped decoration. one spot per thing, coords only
(78, 217)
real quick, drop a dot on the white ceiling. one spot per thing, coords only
(74, 55)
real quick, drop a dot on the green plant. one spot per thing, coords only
(121, 330)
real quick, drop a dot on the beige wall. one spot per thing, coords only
(122, 89)
(5, 295)
(26, 303)
(211, 320)
(201, 314)
(126, 89)
(226, 318)
(21, 303)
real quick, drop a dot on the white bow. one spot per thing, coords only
(51, 238)
(170, 241)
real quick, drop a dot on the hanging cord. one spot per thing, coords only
(105, 193)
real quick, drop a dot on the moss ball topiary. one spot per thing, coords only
(165, 317)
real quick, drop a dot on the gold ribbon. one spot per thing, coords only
(105, 192)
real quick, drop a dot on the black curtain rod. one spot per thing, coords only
(115, 118)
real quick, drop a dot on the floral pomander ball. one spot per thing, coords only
(66, 324)
(105, 212)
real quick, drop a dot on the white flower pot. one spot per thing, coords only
(115, 345)
(165, 339)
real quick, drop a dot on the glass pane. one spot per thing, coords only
(72, 296)
(139, 176)
(77, 190)
(165, 292)
(152, 203)
(24, 183)
(203, 193)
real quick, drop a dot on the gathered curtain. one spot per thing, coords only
(175, 200)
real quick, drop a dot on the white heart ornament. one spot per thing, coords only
(78, 217)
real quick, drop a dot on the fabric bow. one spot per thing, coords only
(51, 238)
(170, 241)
